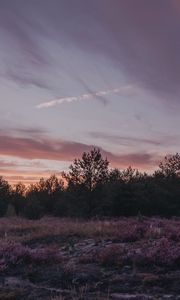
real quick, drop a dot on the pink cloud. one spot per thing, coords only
(62, 150)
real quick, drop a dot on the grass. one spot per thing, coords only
(18, 229)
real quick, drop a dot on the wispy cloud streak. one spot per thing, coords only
(84, 97)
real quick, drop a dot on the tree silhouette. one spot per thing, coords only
(170, 167)
(90, 171)
(47, 193)
(85, 180)
(4, 195)
(18, 197)
(94, 190)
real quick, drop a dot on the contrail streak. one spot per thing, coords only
(83, 97)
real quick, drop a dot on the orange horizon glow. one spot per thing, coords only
(29, 177)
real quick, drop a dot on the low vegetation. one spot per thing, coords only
(56, 258)
(96, 233)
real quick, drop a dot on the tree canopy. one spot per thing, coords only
(170, 166)
(94, 189)
(91, 170)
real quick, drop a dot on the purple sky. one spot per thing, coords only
(82, 73)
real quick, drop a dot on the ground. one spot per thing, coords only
(59, 259)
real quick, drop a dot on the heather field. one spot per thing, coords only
(59, 259)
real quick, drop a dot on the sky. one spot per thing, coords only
(87, 73)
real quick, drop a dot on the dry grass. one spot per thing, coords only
(55, 251)
(19, 229)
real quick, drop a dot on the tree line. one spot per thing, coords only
(91, 189)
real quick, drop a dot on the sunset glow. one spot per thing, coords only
(87, 73)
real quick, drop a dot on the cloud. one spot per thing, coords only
(28, 176)
(26, 171)
(25, 176)
(43, 147)
(135, 141)
(24, 79)
(92, 95)
(22, 56)
(28, 154)
(28, 131)
(139, 37)
(15, 166)
(145, 161)
(146, 34)
(5, 164)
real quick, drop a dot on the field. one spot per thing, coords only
(59, 259)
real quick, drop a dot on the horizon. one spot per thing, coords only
(82, 74)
